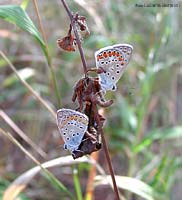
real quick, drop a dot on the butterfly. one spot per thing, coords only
(113, 60)
(72, 126)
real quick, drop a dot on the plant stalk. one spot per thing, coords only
(47, 54)
(85, 72)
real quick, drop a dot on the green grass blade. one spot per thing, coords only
(77, 184)
(16, 15)
(24, 4)
(159, 134)
(57, 184)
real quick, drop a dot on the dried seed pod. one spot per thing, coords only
(67, 43)
(81, 26)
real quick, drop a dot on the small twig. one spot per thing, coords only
(71, 16)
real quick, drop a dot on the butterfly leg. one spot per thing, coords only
(95, 99)
(96, 70)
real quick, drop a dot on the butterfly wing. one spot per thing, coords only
(72, 126)
(113, 59)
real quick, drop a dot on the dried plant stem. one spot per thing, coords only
(106, 151)
(109, 164)
(85, 72)
(10, 122)
(32, 91)
(76, 36)
(48, 57)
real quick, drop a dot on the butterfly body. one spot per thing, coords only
(72, 127)
(113, 59)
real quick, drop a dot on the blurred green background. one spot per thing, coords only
(143, 126)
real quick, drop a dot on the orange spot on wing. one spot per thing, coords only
(105, 54)
(110, 54)
(120, 59)
(75, 118)
(117, 54)
(113, 53)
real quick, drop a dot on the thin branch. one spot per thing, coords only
(71, 16)
(31, 90)
(48, 57)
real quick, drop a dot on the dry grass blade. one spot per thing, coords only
(10, 122)
(21, 182)
(92, 174)
(131, 184)
(35, 94)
